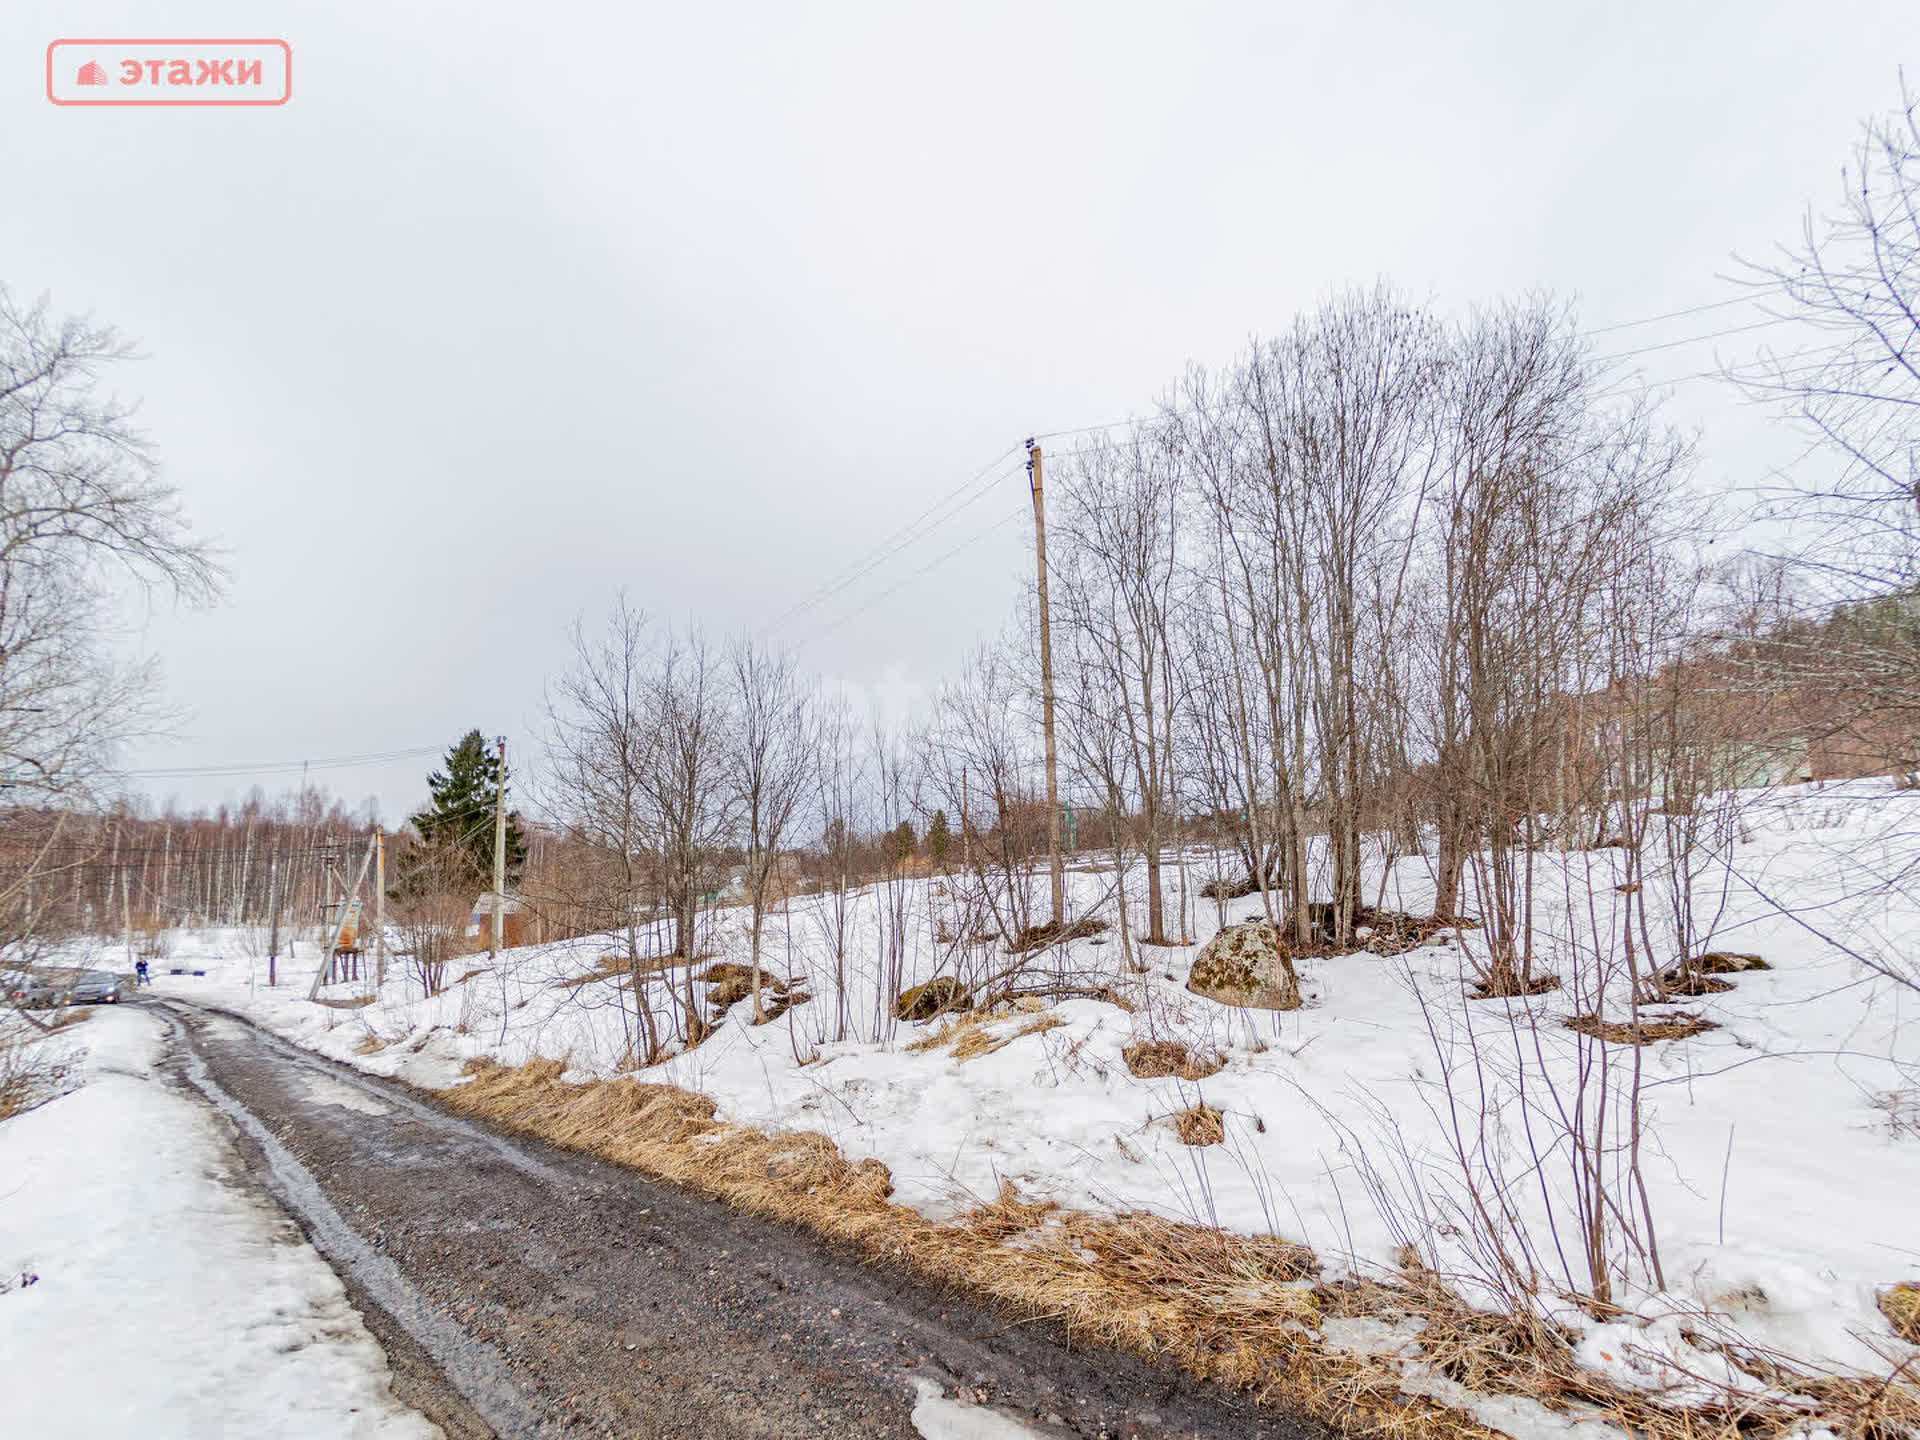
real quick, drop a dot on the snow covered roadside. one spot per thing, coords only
(1780, 1170)
(143, 1292)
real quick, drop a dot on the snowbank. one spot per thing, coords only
(143, 1292)
(1780, 1178)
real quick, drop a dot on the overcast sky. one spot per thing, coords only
(513, 305)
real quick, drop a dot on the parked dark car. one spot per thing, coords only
(96, 987)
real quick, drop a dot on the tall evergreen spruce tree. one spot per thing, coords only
(458, 823)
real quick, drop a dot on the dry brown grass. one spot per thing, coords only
(949, 1031)
(1645, 1032)
(1226, 1307)
(1157, 1059)
(1239, 1310)
(357, 1002)
(969, 1039)
(1200, 1125)
(1693, 984)
(1538, 985)
(369, 1044)
(1530, 1356)
(1901, 1305)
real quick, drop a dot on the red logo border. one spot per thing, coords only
(285, 48)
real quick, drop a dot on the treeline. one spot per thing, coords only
(1389, 584)
(106, 871)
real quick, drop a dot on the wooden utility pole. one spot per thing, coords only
(273, 921)
(1046, 687)
(379, 908)
(499, 853)
(348, 913)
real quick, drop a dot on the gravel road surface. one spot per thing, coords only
(521, 1290)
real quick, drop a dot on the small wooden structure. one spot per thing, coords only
(513, 918)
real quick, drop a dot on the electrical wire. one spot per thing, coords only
(921, 573)
(980, 484)
(279, 767)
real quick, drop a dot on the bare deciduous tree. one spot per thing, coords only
(773, 755)
(82, 505)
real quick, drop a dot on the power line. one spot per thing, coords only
(1671, 315)
(932, 519)
(923, 571)
(980, 484)
(279, 767)
(1691, 340)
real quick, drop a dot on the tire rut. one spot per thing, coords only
(522, 1290)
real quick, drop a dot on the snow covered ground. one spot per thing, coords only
(143, 1292)
(1779, 1169)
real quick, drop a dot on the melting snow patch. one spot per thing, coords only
(939, 1418)
(329, 1091)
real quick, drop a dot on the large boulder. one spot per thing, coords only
(1246, 965)
(939, 995)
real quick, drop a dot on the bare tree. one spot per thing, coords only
(685, 786)
(602, 750)
(773, 755)
(82, 505)
(1119, 584)
(1854, 277)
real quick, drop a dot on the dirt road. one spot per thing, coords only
(520, 1290)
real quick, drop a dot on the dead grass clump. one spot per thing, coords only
(470, 975)
(1693, 983)
(1200, 1125)
(1538, 985)
(976, 1041)
(951, 1030)
(1395, 932)
(1646, 1032)
(1901, 1305)
(1728, 962)
(357, 1002)
(369, 1044)
(1008, 1215)
(1532, 1356)
(969, 1038)
(1157, 1059)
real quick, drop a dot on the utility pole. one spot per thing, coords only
(273, 921)
(1046, 687)
(379, 908)
(499, 853)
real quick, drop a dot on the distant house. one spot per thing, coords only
(513, 919)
